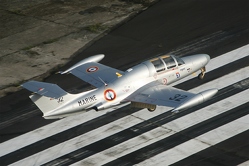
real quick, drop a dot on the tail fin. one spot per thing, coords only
(46, 104)
(47, 96)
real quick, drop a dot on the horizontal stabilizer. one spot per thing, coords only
(44, 89)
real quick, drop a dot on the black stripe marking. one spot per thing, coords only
(66, 135)
(181, 137)
(233, 151)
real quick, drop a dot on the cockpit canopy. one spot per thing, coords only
(166, 62)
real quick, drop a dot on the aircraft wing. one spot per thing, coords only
(160, 95)
(96, 74)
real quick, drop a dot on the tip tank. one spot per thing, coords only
(197, 99)
(95, 58)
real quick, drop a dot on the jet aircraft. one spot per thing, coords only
(145, 85)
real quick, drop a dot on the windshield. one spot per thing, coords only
(166, 61)
(179, 61)
(169, 61)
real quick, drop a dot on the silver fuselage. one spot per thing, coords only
(133, 79)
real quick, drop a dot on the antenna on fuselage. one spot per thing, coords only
(103, 81)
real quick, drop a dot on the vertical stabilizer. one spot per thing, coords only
(46, 104)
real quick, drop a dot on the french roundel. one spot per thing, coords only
(110, 95)
(92, 69)
(164, 81)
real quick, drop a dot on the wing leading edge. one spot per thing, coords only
(92, 72)
(96, 74)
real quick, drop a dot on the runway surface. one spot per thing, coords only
(213, 133)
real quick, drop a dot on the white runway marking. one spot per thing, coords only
(244, 164)
(226, 80)
(166, 131)
(45, 131)
(199, 143)
(88, 138)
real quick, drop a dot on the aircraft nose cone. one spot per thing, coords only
(207, 57)
(198, 60)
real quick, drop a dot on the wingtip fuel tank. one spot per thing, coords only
(95, 58)
(197, 99)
